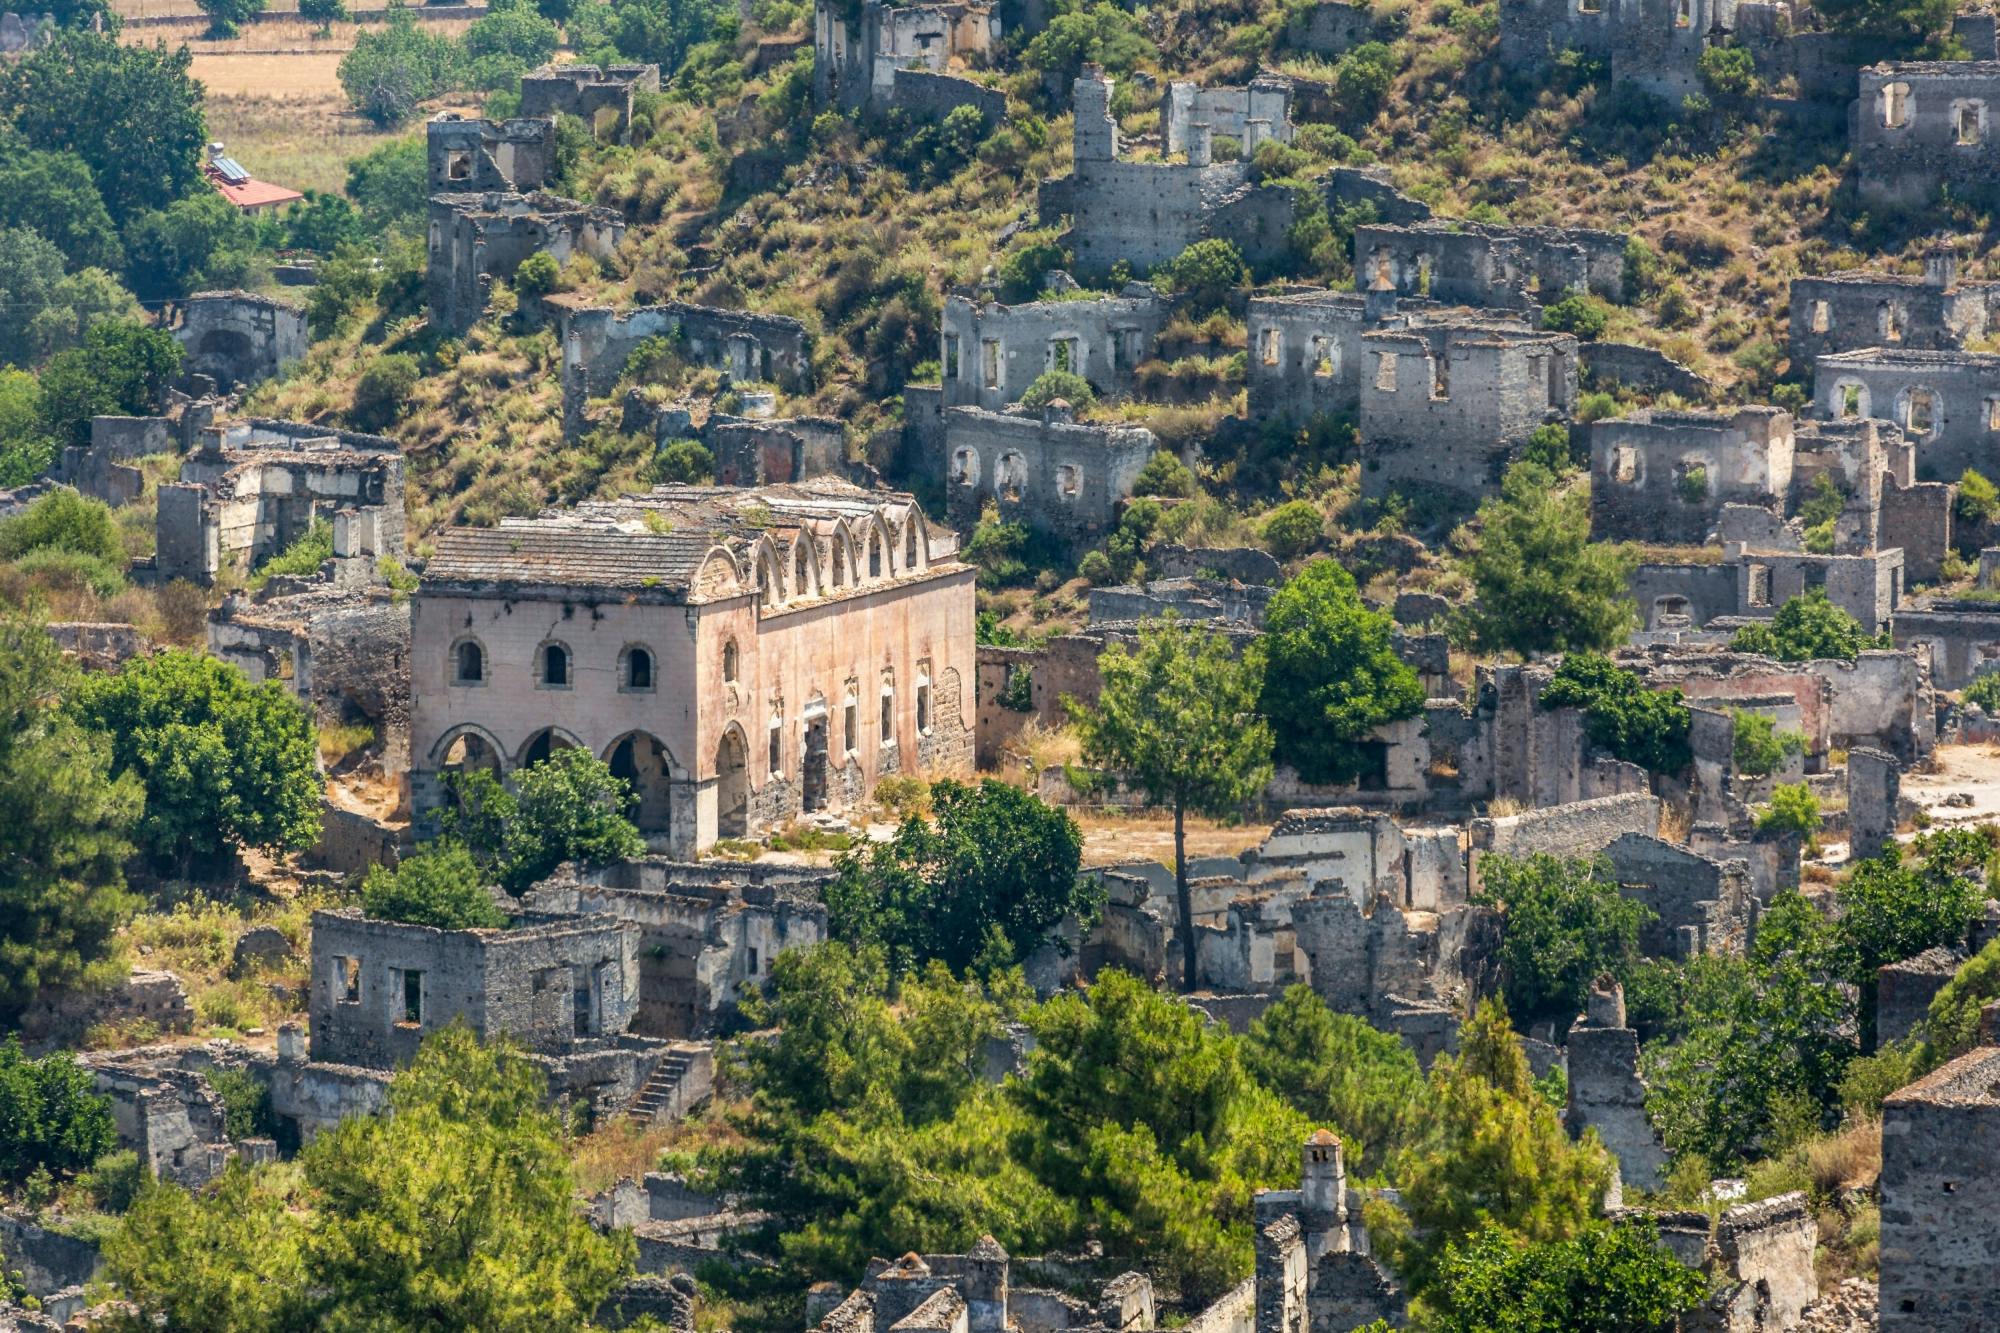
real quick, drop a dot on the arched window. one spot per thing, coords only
(638, 669)
(910, 540)
(729, 660)
(874, 555)
(555, 667)
(839, 545)
(801, 567)
(468, 663)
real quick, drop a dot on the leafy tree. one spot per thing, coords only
(1978, 499)
(1550, 446)
(50, 1118)
(1543, 584)
(391, 183)
(322, 223)
(383, 390)
(1951, 1028)
(569, 807)
(685, 462)
(1293, 528)
(30, 268)
(325, 13)
(1904, 24)
(1341, 1072)
(53, 195)
(661, 31)
(1580, 313)
(1642, 726)
(1729, 73)
(1758, 748)
(1206, 273)
(504, 43)
(1024, 268)
(993, 862)
(26, 451)
(538, 275)
(1362, 80)
(62, 520)
(246, 1103)
(224, 762)
(1331, 674)
(1051, 385)
(122, 368)
(81, 301)
(198, 243)
(1165, 474)
(438, 885)
(1890, 911)
(1566, 922)
(1608, 1278)
(1087, 33)
(1793, 808)
(389, 72)
(454, 1211)
(1985, 692)
(1501, 1159)
(1177, 718)
(227, 17)
(132, 113)
(1807, 628)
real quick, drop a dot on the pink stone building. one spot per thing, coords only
(740, 656)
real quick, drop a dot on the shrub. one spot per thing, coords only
(1793, 808)
(538, 274)
(1549, 446)
(1206, 272)
(1985, 691)
(1639, 725)
(1692, 485)
(686, 463)
(1759, 748)
(246, 1104)
(1293, 528)
(1166, 475)
(1978, 498)
(1579, 313)
(50, 1120)
(440, 885)
(1807, 628)
(384, 390)
(62, 520)
(1053, 385)
(1096, 568)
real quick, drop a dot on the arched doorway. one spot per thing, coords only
(643, 764)
(732, 786)
(543, 744)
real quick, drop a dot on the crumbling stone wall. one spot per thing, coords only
(1047, 470)
(1251, 114)
(1919, 125)
(1331, 28)
(600, 97)
(598, 341)
(763, 453)
(1605, 1091)
(1576, 828)
(858, 54)
(101, 468)
(477, 240)
(1963, 637)
(1948, 403)
(237, 338)
(476, 156)
(1646, 369)
(991, 352)
(1851, 312)
(1655, 44)
(1700, 906)
(347, 656)
(1477, 264)
(1659, 476)
(1904, 991)
(1874, 781)
(1305, 355)
(1940, 1199)
(929, 97)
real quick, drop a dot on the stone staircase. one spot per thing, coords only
(660, 1088)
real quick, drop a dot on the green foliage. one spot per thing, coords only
(1550, 446)
(384, 390)
(1807, 628)
(1293, 528)
(505, 43)
(1051, 385)
(62, 520)
(1165, 475)
(1890, 910)
(226, 17)
(325, 13)
(132, 113)
(1985, 691)
(1566, 924)
(569, 807)
(440, 884)
(308, 551)
(456, 1210)
(390, 183)
(1500, 1159)
(1095, 569)
(1793, 809)
(1361, 82)
(1082, 33)
(1621, 715)
(30, 268)
(1759, 749)
(685, 463)
(1729, 73)
(1902, 24)
(1206, 273)
(662, 31)
(1978, 499)
(26, 451)
(390, 70)
(538, 274)
(1692, 485)
(1951, 1028)
(202, 242)
(1543, 584)
(50, 1119)
(53, 195)
(323, 223)
(121, 369)
(225, 763)
(246, 1103)
(1331, 674)
(1608, 1278)
(1023, 268)
(993, 863)
(1364, 1083)
(1580, 313)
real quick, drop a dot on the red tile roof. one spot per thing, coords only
(253, 193)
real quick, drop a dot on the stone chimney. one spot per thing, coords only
(1604, 1007)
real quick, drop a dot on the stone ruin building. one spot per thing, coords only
(1856, 311)
(1491, 267)
(1256, 113)
(1605, 1091)
(992, 352)
(1145, 213)
(1313, 1268)
(478, 156)
(1656, 44)
(784, 619)
(749, 348)
(1043, 468)
(103, 469)
(1758, 1258)
(1947, 402)
(252, 488)
(601, 97)
(236, 338)
(875, 55)
(1919, 126)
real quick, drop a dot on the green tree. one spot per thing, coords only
(384, 390)
(225, 763)
(1206, 273)
(132, 113)
(1501, 1159)
(30, 268)
(569, 807)
(1543, 584)
(1051, 385)
(227, 17)
(1087, 32)
(231, 1257)
(1729, 73)
(1177, 718)
(661, 31)
(121, 369)
(1362, 81)
(1293, 528)
(1889, 910)
(1165, 474)
(81, 301)
(322, 223)
(53, 195)
(437, 885)
(1341, 1072)
(1807, 628)
(686, 463)
(1978, 498)
(1579, 313)
(993, 861)
(1903, 24)
(1951, 1028)
(1758, 748)
(391, 183)
(505, 43)
(325, 13)
(202, 242)
(1622, 715)
(64, 820)
(26, 451)
(1793, 808)
(51, 1119)
(1331, 674)
(62, 520)
(1566, 922)
(389, 72)
(1613, 1278)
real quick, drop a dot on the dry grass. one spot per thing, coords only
(290, 133)
(618, 1151)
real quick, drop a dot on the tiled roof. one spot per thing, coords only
(567, 555)
(252, 193)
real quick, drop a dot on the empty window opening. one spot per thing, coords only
(1423, 275)
(1270, 346)
(580, 1005)
(1850, 400)
(951, 356)
(1440, 377)
(753, 961)
(965, 467)
(923, 707)
(1325, 357)
(840, 546)
(875, 555)
(1625, 465)
(1011, 477)
(850, 740)
(471, 661)
(776, 744)
(729, 660)
(413, 996)
(1992, 414)
(888, 718)
(638, 669)
(1064, 356)
(1920, 415)
(1760, 585)
(555, 666)
(989, 354)
(1385, 372)
(910, 541)
(347, 976)
(1590, 6)
(1970, 122)
(1822, 317)
(1684, 14)
(1069, 480)
(1385, 270)
(1895, 105)
(1890, 317)
(458, 166)
(801, 568)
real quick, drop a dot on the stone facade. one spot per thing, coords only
(1659, 476)
(807, 639)
(1656, 44)
(1851, 312)
(1306, 352)
(1904, 991)
(1963, 638)
(1605, 1091)
(1940, 1197)
(1917, 126)
(1874, 781)
(768, 453)
(1699, 905)
(103, 468)
(600, 97)
(1313, 1270)
(859, 55)
(236, 338)
(1947, 403)
(1477, 264)
(991, 352)
(347, 655)
(1045, 469)
(1252, 114)
(478, 239)
(598, 341)
(982, 1291)
(481, 156)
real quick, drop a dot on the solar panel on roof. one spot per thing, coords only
(230, 170)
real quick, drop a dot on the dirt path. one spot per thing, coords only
(1967, 776)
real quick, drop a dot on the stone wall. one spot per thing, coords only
(1948, 403)
(1655, 44)
(1306, 354)
(1963, 638)
(478, 239)
(1477, 264)
(48, 1261)
(600, 97)
(1645, 369)
(1851, 312)
(1919, 125)
(929, 97)
(991, 352)
(762, 453)
(476, 155)
(1250, 114)
(1578, 828)
(1663, 477)
(859, 52)
(240, 339)
(598, 341)
(1699, 905)
(1330, 28)
(1605, 1091)
(1874, 781)
(1904, 991)
(1940, 1198)
(1046, 470)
